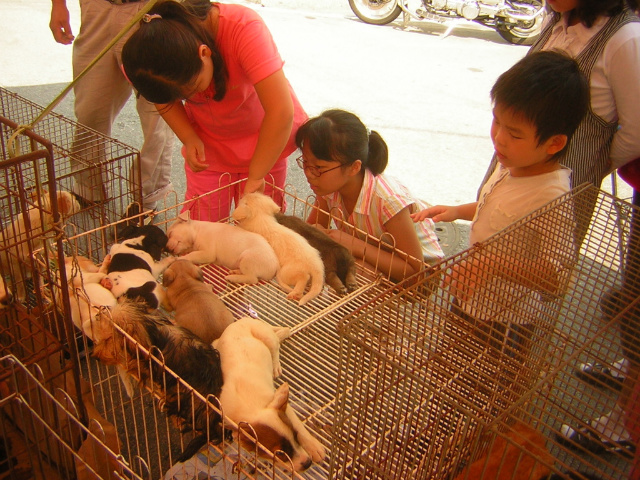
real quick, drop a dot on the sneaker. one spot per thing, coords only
(602, 375)
(589, 440)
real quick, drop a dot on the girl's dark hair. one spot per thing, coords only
(337, 135)
(161, 58)
(588, 11)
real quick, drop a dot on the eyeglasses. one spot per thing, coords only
(314, 171)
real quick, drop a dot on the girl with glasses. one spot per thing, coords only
(344, 165)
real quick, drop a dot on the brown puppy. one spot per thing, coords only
(197, 308)
(339, 264)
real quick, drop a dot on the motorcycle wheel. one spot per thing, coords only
(376, 12)
(521, 33)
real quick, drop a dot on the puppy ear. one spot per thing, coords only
(281, 398)
(168, 277)
(67, 204)
(240, 213)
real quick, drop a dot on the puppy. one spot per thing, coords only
(86, 294)
(133, 266)
(192, 360)
(339, 264)
(250, 360)
(197, 308)
(5, 295)
(248, 255)
(24, 235)
(299, 261)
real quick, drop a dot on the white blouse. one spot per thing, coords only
(615, 80)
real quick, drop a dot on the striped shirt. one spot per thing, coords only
(382, 198)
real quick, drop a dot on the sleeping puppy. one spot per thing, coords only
(248, 255)
(86, 294)
(197, 307)
(339, 264)
(26, 231)
(133, 266)
(299, 261)
(250, 360)
(195, 362)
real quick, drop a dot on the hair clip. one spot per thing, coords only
(148, 17)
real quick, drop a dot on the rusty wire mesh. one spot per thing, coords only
(427, 382)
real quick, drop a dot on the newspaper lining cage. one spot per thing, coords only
(425, 389)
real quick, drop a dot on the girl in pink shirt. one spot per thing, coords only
(216, 77)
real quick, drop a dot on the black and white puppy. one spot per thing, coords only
(133, 266)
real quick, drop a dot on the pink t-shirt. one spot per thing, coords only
(229, 128)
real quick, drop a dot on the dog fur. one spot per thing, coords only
(299, 261)
(250, 360)
(339, 264)
(194, 361)
(248, 255)
(196, 307)
(16, 259)
(133, 266)
(524, 456)
(6, 298)
(86, 294)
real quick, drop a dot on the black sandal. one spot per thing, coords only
(600, 375)
(589, 440)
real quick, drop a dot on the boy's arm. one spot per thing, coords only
(446, 213)
(176, 117)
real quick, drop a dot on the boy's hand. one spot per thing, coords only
(439, 213)
(253, 186)
(194, 155)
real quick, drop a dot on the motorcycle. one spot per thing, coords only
(517, 21)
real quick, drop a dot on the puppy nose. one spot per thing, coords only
(307, 463)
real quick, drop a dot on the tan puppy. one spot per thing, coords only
(248, 255)
(299, 261)
(19, 236)
(250, 360)
(197, 308)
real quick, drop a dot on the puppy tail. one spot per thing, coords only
(317, 284)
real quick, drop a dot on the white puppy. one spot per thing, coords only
(86, 294)
(299, 261)
(16, 259)
(250, 360)
(247, 255)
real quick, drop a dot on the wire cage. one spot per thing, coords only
(40, 167)
(475, 376)
(42, 436)
(147, 436)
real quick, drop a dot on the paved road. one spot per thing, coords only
(426, 94)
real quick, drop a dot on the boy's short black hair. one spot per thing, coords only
(548, 89)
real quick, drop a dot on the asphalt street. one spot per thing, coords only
(426, 94)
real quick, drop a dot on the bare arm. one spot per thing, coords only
(59, 23)
(275, 130)
(176, 117)
(390, 261)
(447, 213)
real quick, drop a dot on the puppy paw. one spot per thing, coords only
(294, 296)
(277, 369)
(314, 448)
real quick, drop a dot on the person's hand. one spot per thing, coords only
(59, 23)
(439, 213)
(253, 186)
(194, 155)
